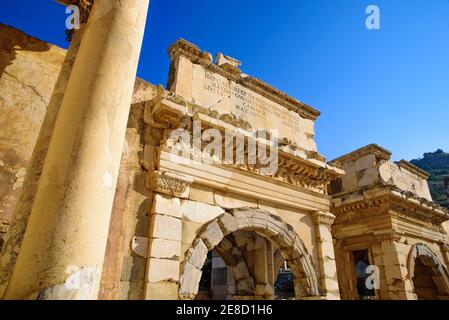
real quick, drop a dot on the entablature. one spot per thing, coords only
(296, 166)
(388, 201)
(229, 68)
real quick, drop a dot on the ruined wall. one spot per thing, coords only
(376, 205)
(366, 167)
(29, 68)
(405, 179)
(193, 198)
(124, 269)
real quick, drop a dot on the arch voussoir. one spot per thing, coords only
(212, 235)
(429, 259)
(267, 225)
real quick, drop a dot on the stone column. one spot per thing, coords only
(22, 211)
(263, 269)
(64, 245)
(394, 264)
(326, 256)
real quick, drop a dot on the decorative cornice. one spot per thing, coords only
(432, 206)
(393, 202)
(170, 183)
(413, 169)
(296, 166)
(378, 151)
(324, 218)
(387, 235)
(232, 72)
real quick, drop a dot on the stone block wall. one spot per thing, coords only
(175, 224)
(371, 165)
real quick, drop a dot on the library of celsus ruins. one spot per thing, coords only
(210, 188)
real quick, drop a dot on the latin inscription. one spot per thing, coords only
(250, 104)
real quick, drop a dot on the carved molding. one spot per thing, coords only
(232, 72)
(357, 211)
(170, 183)
(380, 153)
(414, 169)
(298, 167)
(387, 236)
(392, 204)
(324, 218)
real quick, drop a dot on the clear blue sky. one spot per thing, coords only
(388, 86)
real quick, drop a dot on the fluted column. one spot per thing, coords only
(64, 245)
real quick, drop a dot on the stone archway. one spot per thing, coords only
(426, 272)
(263, 223)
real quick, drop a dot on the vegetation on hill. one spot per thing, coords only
(437, 164)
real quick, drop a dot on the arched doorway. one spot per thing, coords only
(228, 236)
(430, 279)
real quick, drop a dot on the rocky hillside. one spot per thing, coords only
(437, 164)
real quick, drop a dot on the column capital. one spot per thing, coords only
(387, 235)
(170, 183)
(323, 217)
(85, 7)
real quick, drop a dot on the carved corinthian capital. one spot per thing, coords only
(170, 183)
(323, 217)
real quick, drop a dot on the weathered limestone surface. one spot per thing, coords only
(386, 209)
(94, 105)
(157, 240)
(24, 107)
(236, 94)
(370, 165)
(326, 256)
(29, 69)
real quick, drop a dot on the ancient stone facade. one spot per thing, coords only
(385, 209)
(235, 210)
(28, 72)
(180, 178)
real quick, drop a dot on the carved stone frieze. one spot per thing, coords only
(301, 169)
(323, 217)
(393, 205)
(170, 183)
